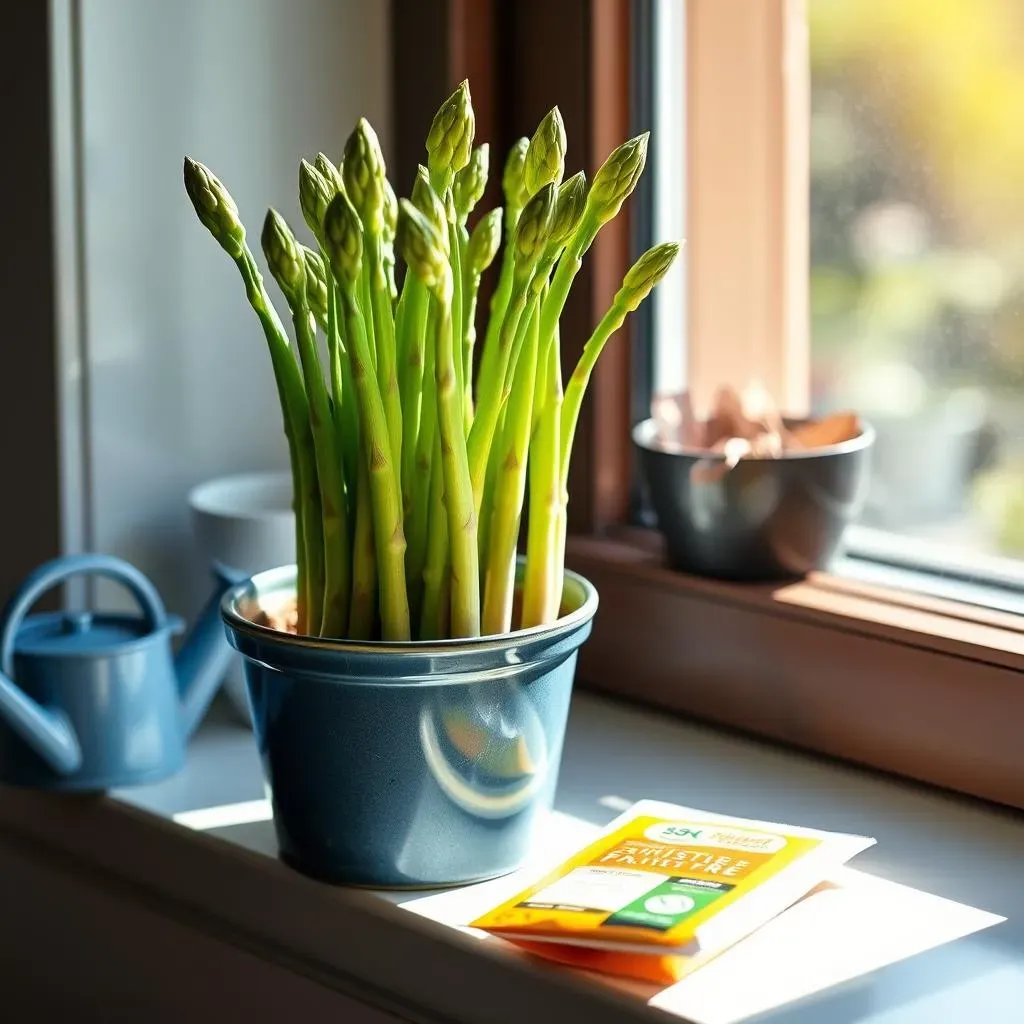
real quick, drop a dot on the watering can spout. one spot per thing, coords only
(205, 656)
(46, 730)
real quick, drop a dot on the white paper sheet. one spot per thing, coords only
(854, 924)
(836, 934)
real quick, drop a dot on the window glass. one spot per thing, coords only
(917, 257)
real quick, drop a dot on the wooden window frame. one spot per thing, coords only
(927, 689)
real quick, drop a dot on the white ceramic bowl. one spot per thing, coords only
(244, 523)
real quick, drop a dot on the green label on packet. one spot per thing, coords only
(664, 906)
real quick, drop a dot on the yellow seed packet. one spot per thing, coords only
(672, 881)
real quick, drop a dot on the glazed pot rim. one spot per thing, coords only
(282, 580)
(644, 432)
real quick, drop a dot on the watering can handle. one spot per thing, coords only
(50, 574)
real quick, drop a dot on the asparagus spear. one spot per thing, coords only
(424, 251)
(640, 279)
(316, 285)
(419, 417)
(388, 243)
(420, 482)
(510, 486)
(545, 156)
(515, 199)
(570, 203)
(531, 238)
(286, 262)
(449, 149)
(450, 139)
(455, 263)
(435, 619)
(613, 183)
(481, 249)
(543, 163)
(507, 466)
(364, 177)
(413, 341)
(512, 185)
(539, 578)
(318, 185)
(467, 188)
(542, 580)
(470, 183)
(364, 563)
(219, 215)
(315, 193)
(343, 234)
(364, 558)
(330, 172)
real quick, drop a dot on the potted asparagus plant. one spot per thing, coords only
(409, 676)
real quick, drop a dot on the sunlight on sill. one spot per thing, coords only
(226, 815)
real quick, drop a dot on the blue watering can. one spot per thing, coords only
(93, 701)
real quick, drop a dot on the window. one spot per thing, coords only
(891, 144)
(884, 659)
(917, 258)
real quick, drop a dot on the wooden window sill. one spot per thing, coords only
(922, 687)
(186, 872)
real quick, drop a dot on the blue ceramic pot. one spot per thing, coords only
(407, 764)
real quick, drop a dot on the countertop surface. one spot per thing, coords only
(953, 847)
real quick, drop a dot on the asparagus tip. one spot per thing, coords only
(214, 206)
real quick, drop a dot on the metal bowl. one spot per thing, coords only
(763, 519)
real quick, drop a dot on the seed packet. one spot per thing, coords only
(669, 881)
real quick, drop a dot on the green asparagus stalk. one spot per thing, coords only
(481, 249)
(363, 605)
(515, 199)
(320, 297)
(570, 203)
(414, 303)
(288, 266)
(450, 139)
(411, 367)
(318, 185)
(344, 237)
(424, 251)
(426, 199)
(509, 489)
(316, 285)
(218, 213)
(542, 579)
(487, 504)
(455, 254)
(513, 186)
(364, 176)
(531, 238)
(315, 193)
(640, 279)
(388, 244)
(545, 156)
(470, 183)
(420, 480)
(467, 189)
(364, 558)
(613, 183)
(435, 618)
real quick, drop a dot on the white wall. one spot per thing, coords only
(178, 382)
